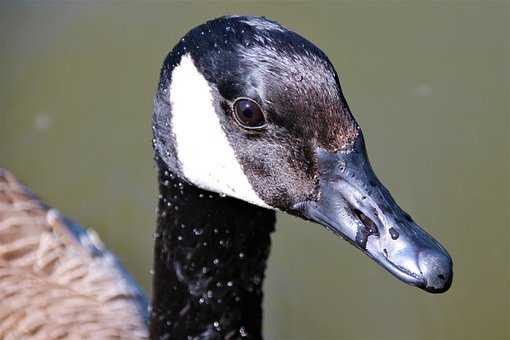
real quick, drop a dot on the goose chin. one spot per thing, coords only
(355, 205)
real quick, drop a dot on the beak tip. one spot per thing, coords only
(434, 290)
(437, 270)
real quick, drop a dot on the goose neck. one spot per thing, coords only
(209, 264)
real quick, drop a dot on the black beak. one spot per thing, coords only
(354, 204)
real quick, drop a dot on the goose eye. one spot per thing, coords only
(249, 114)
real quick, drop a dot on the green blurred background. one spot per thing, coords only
(428, 83)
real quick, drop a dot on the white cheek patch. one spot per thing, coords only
(206, 156)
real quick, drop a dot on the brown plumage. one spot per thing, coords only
(51, 285)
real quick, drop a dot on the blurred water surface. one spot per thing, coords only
(428, 83)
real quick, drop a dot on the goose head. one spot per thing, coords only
(249, 109)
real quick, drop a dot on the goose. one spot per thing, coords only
(248, 119)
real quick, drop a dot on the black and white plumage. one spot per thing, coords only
(309, 160)
(249, 118)
(290, 78)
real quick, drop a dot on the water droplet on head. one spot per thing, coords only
(242, 332)
(216, 261)
(256, 280)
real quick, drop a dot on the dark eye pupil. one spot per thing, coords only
(247, 110)
(248, 113)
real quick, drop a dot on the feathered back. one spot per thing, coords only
(56, 279)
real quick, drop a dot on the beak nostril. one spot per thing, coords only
(370, 226)
(366, 229)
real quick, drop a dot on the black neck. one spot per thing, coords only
(209, 263)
